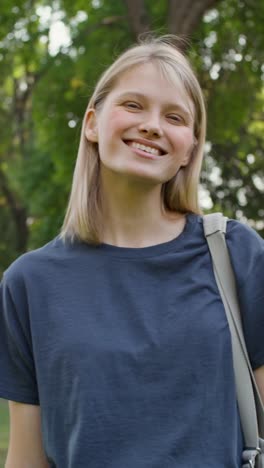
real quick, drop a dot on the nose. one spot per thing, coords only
(151, 126)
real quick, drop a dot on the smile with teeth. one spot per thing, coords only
(145, 148)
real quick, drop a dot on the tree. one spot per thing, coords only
(181, 18)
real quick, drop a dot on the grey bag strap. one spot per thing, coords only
(249, 401)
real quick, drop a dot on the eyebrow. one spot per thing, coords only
(143, 96)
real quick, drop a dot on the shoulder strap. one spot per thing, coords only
(248, 397)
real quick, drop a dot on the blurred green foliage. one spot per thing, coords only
(4, 431)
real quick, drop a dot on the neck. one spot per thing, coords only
(134, 216)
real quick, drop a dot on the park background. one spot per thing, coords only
(51, 54)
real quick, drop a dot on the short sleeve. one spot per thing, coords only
(247, 255)
(17, 370)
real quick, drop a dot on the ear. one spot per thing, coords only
(91, 126)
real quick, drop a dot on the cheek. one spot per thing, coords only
(183, 139)
(111, 128)
(115, 121)
(118, 121)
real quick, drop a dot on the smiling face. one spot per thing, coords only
(144, 127)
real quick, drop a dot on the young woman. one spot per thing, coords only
(115, 350)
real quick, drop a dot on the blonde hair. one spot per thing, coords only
(83, 219)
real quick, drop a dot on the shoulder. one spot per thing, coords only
(42, 267)
(33, 261)
(246, 249)
(240, 233)
(244, 239)
(243, 232)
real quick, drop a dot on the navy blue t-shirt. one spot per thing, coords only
(128, 350)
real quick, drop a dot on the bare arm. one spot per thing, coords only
(25, 441)
(259, 376)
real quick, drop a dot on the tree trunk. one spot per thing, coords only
(185, 16)
(138, 17)
(18, 213)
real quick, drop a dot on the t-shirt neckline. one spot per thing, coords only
(153, 250)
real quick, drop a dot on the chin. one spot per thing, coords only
(137, 173)
(144, 177)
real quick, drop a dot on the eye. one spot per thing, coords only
(132, 105)
(176, 118)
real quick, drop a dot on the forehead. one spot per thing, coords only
(152, 80)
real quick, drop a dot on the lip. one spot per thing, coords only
(143, 154)
(150, 143)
